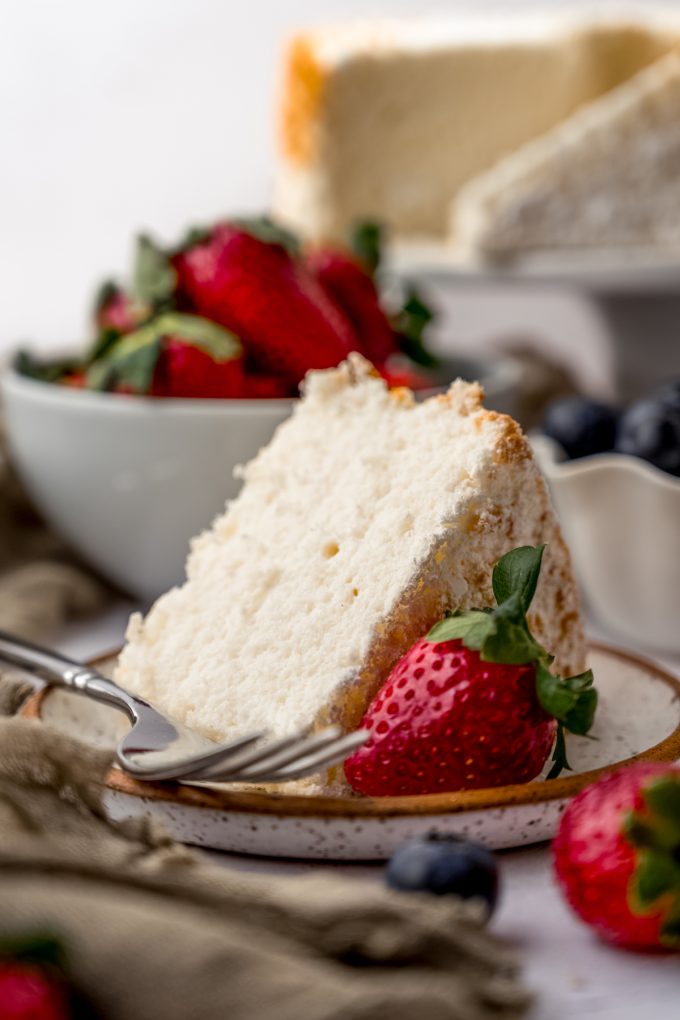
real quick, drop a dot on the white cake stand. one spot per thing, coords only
(636, 295)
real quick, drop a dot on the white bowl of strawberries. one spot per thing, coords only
(130, 449)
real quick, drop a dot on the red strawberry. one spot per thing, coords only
(26, 993)
(117, 312)
(445, 720)
(353, 290)
(258, 386)
(474, 703)
(186, 371)
(76, 380)
(617, 856)
(259, 291)
(396, 373)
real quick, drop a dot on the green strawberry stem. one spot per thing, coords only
(501, 634)
(655, 834)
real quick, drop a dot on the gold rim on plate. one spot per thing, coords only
(221, 799)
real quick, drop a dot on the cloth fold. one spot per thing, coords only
(152, 929)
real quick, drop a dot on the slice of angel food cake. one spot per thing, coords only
(366, 519)
(606, 178)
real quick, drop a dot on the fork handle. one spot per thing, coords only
(61, 671)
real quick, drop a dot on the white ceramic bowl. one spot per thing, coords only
(128, 481)
(621, 517)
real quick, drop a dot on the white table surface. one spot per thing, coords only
(572, 974)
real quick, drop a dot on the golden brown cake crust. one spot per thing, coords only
(302, 94)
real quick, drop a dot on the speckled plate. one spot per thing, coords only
(638, 718)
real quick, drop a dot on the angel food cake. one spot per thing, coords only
(366, 517)
(608, 176)
(389, 119)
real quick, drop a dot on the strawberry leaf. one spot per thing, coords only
(106, 293)
(499, 635)
(553, 693)
(655, 875)
(132, 361)
(572, 701)
(472, 626)
(410, 324)
(103, 344)
(266, 230)
(655, 834)
(662, 797)
(154, 279)
(50, 370)
(559, 755)
(365, 242)
(192, 238)
(511, 640)
(33, 947)
(670, 929)
(516, 573)
(129, 366)
(218, 342)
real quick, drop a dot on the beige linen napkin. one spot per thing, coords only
(152, 929)
(41, 584)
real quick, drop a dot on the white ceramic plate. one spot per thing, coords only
(638, 717)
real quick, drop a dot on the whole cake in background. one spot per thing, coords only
(365, 519)
(391, 119)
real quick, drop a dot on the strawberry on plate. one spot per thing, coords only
(473, 704)
(243, 277)
(617, 856)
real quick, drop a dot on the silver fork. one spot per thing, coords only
(158, 748)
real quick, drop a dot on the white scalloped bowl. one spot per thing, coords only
(621, 518)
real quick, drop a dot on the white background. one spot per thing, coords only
(156, 114)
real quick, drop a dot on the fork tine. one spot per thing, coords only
(267, 763)
(306, 762)
(140, 768)
(252, 757)
(315, 742)
(312, 763)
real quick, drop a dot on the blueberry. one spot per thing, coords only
(650, 429)
(668, 393)
(581, 426)
(445, 865)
